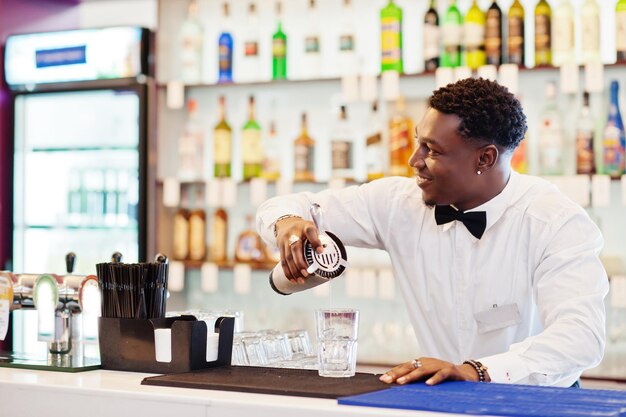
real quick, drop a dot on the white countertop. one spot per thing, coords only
(27, 393)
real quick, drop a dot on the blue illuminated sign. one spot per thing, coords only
(61, 56)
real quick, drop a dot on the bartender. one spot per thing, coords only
(500, 272)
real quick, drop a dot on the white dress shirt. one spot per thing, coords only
(527, 299)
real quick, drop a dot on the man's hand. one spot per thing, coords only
(433, 370)
(290, 235)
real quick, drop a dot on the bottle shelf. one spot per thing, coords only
(523, 69)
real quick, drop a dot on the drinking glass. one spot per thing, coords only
(337, 331)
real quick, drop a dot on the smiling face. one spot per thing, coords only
(446, 163)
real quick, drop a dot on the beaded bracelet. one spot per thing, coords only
(286, 216)
(479, 367)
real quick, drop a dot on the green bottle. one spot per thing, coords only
(452, 31)
(222, 144)
(391, 38)
(474, 36)
(543, 34)
(252, 151)
(279, 50)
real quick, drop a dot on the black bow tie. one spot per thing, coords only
(475, 221)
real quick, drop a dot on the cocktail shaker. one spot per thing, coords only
(322, 267)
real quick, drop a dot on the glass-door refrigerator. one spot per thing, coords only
(80, 167)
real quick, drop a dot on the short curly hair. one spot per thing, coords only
(488, 111)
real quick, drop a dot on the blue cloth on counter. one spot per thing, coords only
(496, 400)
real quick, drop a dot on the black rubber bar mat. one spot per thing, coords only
(280, 381)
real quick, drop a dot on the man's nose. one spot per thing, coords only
(416, 160)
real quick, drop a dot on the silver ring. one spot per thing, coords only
(416, 363)
(293, 239)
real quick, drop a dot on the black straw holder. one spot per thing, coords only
(128, 344)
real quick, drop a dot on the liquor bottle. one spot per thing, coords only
(342, 148)
(191, 35)
(493, 35)
(563, 39)
(347, 41)
(551, 144)
(270, 169)
(452, 34)
(225, 48)
(400, 134)
(620, 30)
(191, 146)
(374, 146)
(391, 37)
(219, 236)
(431, 38)
(590, 39)
(181, 235)
(252, 152)
(515, 36)
(222, 144)
(304, 154)
(311, 61)
(543, 34)
(197, 235)
(279, 49)
(614, 140)
(585, 159)
(249, 244)
(474, 36)
(249, 65)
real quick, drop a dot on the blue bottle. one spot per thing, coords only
(225, 53)
(614, 139)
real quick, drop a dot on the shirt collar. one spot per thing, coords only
(496, 207)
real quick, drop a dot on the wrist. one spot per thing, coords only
(479, 370)
(283, 219)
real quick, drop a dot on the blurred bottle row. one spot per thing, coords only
(102, 197)
(473, 39)
(377, 146)
(590, 133)
(262, 150)
(198, 238)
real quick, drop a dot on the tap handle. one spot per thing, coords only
(161, 259)
(116, 257)
(70, 262)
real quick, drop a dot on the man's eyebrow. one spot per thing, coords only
(426, 140)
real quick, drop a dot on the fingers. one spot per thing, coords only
(402, 374)
(431, 369)
(297, 264)
(290, 241)
(311, 234)
(440, 376)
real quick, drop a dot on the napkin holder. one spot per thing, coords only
(129, 344)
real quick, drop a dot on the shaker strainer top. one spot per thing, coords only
(331, 262)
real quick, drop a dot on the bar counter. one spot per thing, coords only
(100, 393)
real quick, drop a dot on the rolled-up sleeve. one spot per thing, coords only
(355, 214)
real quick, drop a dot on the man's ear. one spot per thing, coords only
(488, 157)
